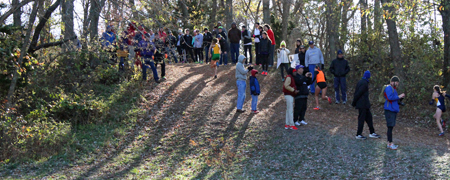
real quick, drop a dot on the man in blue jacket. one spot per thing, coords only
(391, 108)
(339, 68)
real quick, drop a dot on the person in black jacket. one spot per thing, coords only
(246, 36)
(339, 68)
(264, 51)
(301, 99)
(207, 39)
(224, 48)
(186, 43)
(160, 51)
(362, 103)
(171, 42)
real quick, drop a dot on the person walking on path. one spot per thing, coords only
(283, 59)
(339, 68)
(264, 52)
(246, 36)
(439, 97)
(241, 82)
(254, 90)
(290, 91)
(321, 80)
(257, 36)
(362, 103)
(391, 108)
(313, 57)
(272, 38)
(301, 99)
(207, 40)
(234, 34)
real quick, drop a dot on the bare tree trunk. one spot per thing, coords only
(94, 13)
(133, 9)
(285, 19)
(331, 27)
(377, 16)
(369, 22)
(445, 13)
(17, 13)
(229, 14)
(184, 12)
(67, 20)
(266, 11)
(86, 21)
(274, 9)
(23, 51)
(43, 37)
(363, 17)
(213, 13)
(396, 53)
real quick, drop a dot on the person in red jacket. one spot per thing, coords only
(290, 90)
(272, 38)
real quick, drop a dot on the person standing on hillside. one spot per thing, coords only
(313, 57)
(264, 52)
(339, 68)
(269, 31)
(301, 98)
(391, 108)
(207, 40)
(171, 41)
(362, 103)
(290, 91)
(224, 48)
(246, 36)
(234, 34)
(146, 50)
(241, 76)
(257, 36)
(186, 42)
(159, 55)
(198, 45)
(180, 47)
(283, 59)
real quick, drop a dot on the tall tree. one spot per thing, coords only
(94, 14)
(229, 13)
(396, 53)
(184, 12)
(266, 11)
(363, 16)
(213, 13)
(377, 16)
(17, 13)
(444, 9)
(285, 18)
(332, 26)
(67, 20)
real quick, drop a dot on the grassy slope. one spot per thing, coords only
(187, 128)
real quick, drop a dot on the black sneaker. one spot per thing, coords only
(360, 137)
(215, 77)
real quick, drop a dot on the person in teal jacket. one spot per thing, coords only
(391, 108)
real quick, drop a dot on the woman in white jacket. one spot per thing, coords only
(283, 59)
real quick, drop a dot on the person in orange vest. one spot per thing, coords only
(321, 81)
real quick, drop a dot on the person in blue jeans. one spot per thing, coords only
(147, 50)
(391, 108)
(207, 39)
(223, 47)
(234, 35)
(254, 90)
(339, 68)
(313, 56)
(241, 78)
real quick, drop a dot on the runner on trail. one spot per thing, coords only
(254, 90)
(269, 31)
(159, 55)
(264, 52)
(214, 55)
(313, 57)
(439, 98)
(241, 76)
(391, 108)
(321, 80)
(247, 41)
(234, 35)
(362, 103)
(256, 36)
(301, 99)
(339, 68)
(283, 59)
(290, 91)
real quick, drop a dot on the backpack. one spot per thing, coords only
(381, 98)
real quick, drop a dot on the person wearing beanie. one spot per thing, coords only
(301, 98)
(362, 103)
(247, 38)
(234, 34)
(283, 58)
(313, 57)
(340, 68)
(241, 76)
(391, 108)
(254, 90)
(290, 91)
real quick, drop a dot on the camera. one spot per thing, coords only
(400, 102)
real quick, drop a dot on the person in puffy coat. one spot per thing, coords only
(283, 58)
(254, 90)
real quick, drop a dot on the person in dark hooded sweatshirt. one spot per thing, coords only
(362, 103)
(339, 68)
(301, 98)
(234, 35)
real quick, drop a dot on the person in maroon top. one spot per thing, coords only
(290, 90)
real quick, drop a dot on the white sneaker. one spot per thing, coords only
(297, 124)
(373, 135)
(303, 122)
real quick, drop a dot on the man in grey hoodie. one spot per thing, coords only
(241, 82)
(313, 56)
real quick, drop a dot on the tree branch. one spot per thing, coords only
(41, 25)
(46, 45)
(13, 9)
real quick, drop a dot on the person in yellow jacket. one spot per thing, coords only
(321, 81)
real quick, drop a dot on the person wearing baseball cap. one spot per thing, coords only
(339, 68)
(391, 108)
(301, 99)
(362, 103)
(313, 57)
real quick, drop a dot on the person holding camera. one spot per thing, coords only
(241, 76)
(301, 99)
(391, 108)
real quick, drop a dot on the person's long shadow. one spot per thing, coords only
(192, 91)
(128, 139)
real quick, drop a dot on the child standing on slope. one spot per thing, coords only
(254, 90)
(214, 55)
